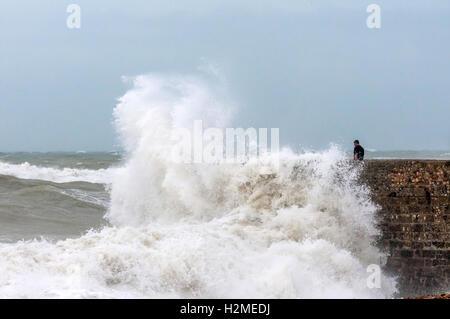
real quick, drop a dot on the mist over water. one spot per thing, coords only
(283, 225)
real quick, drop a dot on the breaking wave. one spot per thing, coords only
(56, 175)
(282, 226)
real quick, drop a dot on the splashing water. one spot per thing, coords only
(282, 226)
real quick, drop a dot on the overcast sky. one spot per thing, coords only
(312, 68)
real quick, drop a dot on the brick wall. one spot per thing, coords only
(414, 217)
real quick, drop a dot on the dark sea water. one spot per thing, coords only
(53, 195)
(89, 160)
(435, 155)
(61, 195)
(90, 225)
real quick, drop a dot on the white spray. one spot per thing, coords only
(303, 228)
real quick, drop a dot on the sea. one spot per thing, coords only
(133, 224)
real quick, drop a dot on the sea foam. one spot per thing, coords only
(56, 175)
(281, 226)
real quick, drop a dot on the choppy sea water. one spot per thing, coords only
(425, 155)
(136, 225)
(62, 195)
(53, 195)
(98, 226)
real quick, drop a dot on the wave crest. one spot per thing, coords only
(56, 175)
(281, 226)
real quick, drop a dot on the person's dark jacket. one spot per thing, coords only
(359, 150)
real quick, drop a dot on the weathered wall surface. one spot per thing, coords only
(414, 217)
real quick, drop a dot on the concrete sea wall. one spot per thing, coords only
(414, 217)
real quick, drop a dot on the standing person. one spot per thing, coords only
(358, 152)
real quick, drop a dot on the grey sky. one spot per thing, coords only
(311, 68)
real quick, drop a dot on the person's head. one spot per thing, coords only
(355, 142)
